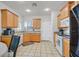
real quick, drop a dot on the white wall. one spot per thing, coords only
(46, 28)
(54, 23)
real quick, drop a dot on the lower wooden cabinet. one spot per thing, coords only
(6, 39)
(26, 37)
(31, 37)
(66, 44)
(0, 38)
(35, 37)
(55, 38)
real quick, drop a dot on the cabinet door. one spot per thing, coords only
(55, 39)
(35, 37)
(36, 23)
(66, 48)
(15, 21)
(9, 19)
(64, 12)
(6, 40)
(0, 38)
(4, 18)
(26, 37)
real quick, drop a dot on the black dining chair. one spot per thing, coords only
(14, 44)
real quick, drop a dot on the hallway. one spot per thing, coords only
(42, 49)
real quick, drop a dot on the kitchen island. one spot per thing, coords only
(31, 37)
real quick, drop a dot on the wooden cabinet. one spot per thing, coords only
(26, 37)
(15, 22)
(36, 23)
(6, 39)
(58, 21)
(0, 19)
(0, 38)
(31, 37)
(65, 11)
(9, 19)
(35, 37)
(66, 44)
(55, 38)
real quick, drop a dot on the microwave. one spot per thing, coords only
(67, 31)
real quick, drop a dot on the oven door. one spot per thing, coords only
(59, 44)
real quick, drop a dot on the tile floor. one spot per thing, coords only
(42, 49)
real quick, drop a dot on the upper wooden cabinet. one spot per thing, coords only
(37, 23)
(65, 11)
(15, 21)
(9, 19)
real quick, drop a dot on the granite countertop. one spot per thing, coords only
(22, 32)
(33, 32)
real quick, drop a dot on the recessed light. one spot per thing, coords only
(28, 10)
(47, 9)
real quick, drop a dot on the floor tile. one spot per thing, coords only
(42, 49)
(37, 54)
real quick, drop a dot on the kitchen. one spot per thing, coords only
(36, 32)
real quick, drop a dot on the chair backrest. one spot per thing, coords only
(14, 43)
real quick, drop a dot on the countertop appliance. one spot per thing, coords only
(74, 32)
(61, 32)
(67, 31)
(8, 31)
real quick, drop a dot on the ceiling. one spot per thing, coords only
(21, 6)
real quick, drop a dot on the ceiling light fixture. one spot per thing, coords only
(47, 9)
(28, 10)
(34, 4)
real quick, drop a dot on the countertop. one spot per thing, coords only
(22, 32)
(33, 32)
